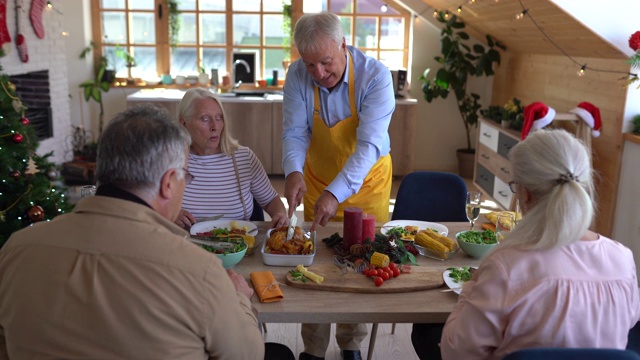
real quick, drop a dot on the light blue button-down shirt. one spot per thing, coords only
(375, 102)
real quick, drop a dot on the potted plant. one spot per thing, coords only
(203, 77)
(174, 22)
(459, 62)
(287, 30)
(511, 115)
(93, 88)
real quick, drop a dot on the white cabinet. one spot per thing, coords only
(493, 169)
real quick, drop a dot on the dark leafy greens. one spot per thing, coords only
(479, 237)
(461, 274)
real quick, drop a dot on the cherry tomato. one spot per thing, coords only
(385, 269)
(392, 266)
(396, 272)
(385, 276)
(378, 281)
(365, 272)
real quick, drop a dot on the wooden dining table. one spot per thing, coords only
(314, 306)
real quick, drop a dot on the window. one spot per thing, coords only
(212, 30)
(380, 34)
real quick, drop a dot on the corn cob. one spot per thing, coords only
(426, 241)
(450, 244)
(379, 259)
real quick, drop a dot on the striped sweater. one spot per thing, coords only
(214, 189)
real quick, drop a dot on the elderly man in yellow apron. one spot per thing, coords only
(338, 104)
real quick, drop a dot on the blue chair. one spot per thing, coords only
(572, 354)
(431, 196)
(427, 196)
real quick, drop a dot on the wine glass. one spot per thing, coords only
(506, 222)
(472, 206)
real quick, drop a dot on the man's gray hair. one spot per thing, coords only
(138, 146)
(312, 29)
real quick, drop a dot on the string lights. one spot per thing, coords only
(525, 12)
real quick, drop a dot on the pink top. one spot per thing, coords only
(581, 295)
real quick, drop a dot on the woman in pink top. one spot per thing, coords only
(552, 282)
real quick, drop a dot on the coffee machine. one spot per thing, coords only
(400, 82)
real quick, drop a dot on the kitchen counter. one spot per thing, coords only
(259, 126)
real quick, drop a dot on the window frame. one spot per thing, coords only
(163, 48)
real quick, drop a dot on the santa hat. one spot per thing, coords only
(590, 114)
(536, 116)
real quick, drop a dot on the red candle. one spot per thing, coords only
(368, 227)
(352, 227)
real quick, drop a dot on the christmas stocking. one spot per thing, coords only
(5, 38)
(35, 14)
(21, 41)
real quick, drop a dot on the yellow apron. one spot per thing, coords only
(328, 152)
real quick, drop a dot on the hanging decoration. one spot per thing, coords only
(634, 44)
(36, 213)
(35, 15)
(17, 138)
(21, 41)
(5, 37)
(527, 13)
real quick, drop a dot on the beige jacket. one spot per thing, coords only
(114, 279)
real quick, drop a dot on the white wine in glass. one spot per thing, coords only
(472, 206)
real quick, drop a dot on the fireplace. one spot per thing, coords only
(33, 90)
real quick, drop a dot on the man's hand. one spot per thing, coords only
(240, 283)
(325, 209)
(294, 190)
(185, 219)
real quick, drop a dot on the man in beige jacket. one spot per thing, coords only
(117, 278)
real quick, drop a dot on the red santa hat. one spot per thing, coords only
(536, 116)
(590, 114)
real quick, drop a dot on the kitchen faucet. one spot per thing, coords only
(233, 72)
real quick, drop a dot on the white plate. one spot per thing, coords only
(420, 224)
(206, 226)
(456, 287)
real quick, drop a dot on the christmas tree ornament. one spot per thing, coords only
(15, 174)
(11, 85)
(25, 121)
(53, 174)
(17, 105)
(21, 41)
(35, 15)
(17, 138)
(5, 37)
(36, 213)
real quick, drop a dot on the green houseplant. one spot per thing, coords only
(93, 88)
(459, 62)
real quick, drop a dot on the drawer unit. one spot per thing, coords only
(493, 168)
(488, 136)
(505, 143)
(501, 193)
(502, 169)
(484, 179)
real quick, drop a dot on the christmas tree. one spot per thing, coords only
(28, 192)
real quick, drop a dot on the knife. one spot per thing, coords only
(292, 226)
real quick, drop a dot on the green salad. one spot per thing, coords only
(461, 274)
(479, 237)
(237, 247)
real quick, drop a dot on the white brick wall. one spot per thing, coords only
(44, 54)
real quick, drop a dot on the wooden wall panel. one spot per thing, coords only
(553, 80)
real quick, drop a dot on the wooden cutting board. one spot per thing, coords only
(421, 278)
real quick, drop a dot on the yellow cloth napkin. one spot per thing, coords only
(266, 286)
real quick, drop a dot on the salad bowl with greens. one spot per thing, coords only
(229, 252)
(477, 243)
